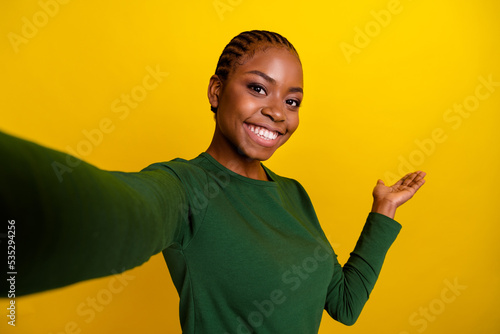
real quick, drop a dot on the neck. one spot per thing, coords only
(228, 156)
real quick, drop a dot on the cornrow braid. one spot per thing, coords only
(244, 46)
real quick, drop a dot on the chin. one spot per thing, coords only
(252, 151)
(261, 156)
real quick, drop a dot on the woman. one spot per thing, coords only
(244, 247)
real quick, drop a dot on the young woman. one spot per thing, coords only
(243, 245)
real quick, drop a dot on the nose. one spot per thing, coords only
(274, 110)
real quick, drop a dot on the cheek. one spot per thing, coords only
(294, 122)
(247, 104)
(239, 106)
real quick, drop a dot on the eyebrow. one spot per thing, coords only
(272, 81)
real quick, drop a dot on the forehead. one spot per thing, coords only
(278, 63)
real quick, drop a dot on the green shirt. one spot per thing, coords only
(246, 256)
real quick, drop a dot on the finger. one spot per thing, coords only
(418, 181)
(416, 185)
(409, 179)
(401, 180)
(420, 176)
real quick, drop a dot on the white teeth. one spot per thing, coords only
(264, 133)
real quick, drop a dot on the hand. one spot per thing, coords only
(387, 199)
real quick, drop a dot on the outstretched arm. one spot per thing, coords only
(352, 284)
(91, 223)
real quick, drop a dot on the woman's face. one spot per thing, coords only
(258, 104)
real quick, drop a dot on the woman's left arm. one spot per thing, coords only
(351, 284)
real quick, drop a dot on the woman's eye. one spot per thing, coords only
(293, 103)
(257, 89)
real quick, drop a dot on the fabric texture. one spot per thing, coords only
(246, 256)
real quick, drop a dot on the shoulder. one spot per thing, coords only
(189, 172)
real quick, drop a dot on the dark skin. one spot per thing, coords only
(257, 112)
(265, 91)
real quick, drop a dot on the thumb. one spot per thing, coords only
(380, 182)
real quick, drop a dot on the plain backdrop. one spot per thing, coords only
(390, 86)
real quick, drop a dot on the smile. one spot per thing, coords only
(263, 132)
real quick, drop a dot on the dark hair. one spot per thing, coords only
(244, 46)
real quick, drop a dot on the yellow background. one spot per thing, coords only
(361, 117)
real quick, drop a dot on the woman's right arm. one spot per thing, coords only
(74, 221)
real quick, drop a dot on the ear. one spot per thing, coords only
(214, 89)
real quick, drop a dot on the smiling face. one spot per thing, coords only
(258, 104)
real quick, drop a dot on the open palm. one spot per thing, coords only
(401, 191)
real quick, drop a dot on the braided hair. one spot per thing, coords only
(244, 46)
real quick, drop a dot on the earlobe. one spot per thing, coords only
(214, 88)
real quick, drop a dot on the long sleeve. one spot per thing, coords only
(74, 221)
(352, 284)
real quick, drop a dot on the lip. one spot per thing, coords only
(258, 139)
